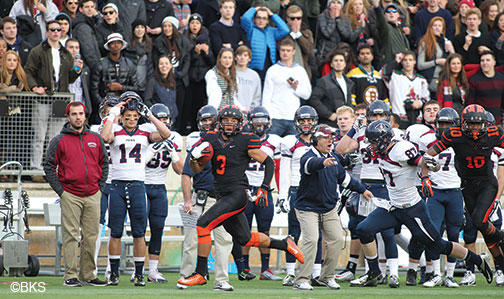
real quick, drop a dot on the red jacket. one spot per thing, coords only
(76, 162)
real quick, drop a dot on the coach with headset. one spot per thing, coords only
(321, 175)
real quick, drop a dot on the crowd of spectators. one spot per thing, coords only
(277, 53)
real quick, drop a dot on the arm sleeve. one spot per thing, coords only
(311, 164)
(285, 172)
(187, 168)
(213, 90)
(31, 68)
(281, 29)
(246, 20)
(269, 171)
(445, 141)
(327, 25)
(105, 164)
(304, 87)
(423, 64)
(51, 161)
(268, 89)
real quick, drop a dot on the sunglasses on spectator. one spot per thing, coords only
(54, 29)
(391, 10)
(71, 3)
(295, 18)
(110, 12)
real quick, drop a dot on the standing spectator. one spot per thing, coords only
(453, 84)
(489, 10)
(161, 87)
(70, 7)
(471, 43)
(65, 23)
(392, 37)
(83, 28)
(303, 38)
(109, 25)
(113, 75)
(285, 4)
(263, 37)
(249, 83)
(497, 38)
(181, 11)
(12, 75)
(226, 32)
(139, 51)
(14, 41)
(176, 46)
(334, 27)
(202, 59)
(460, 17)
(41, 12)
(210, 12)
(285, 85)
(80, 88)
(423, 17)
(157, 10)
(349, 58)
(321, 177)
(130, 11)
(369, 85)
(76, 166)
(221, 85)
(408, 91)
(49, 69)
(312, 9)
(485, 87)
(361, 15)
(333, 91)
(272, 5)
(433, 49)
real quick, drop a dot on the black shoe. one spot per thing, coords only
(369, 279)
(113, 279)
(315, 282)
(426, 277)
(72, 282)
(96, 283)
(484, 268)
(411, 278)
(139, 282)
(246, 275)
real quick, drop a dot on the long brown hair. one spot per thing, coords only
(172, 40)
(20, 73)
(169, 81)
(67, 11)
(446, 74)
(30, 4)
(485, 8)
(228, 75)
(429, 40)
(351, 14)
(134, 40)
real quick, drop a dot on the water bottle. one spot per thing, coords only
(75, 67)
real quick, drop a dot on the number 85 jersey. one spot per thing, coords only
(472, 156)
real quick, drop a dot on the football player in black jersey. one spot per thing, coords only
(233, 150)
(473, 142)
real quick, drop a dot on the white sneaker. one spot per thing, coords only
(450, 282)
(499, 278)
(223, 286)
(435, 281)
(107, 276)
(132, 278)
(288, 280)
(268, 275)
(155, 276)
(304, 286)
(345, 275)
(331, 283)
(469, 279)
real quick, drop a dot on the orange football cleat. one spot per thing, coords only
(192, 280)
(294, 250)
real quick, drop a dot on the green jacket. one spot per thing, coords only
(39, 68)
(392, 38)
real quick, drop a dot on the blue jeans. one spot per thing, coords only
(282, 127)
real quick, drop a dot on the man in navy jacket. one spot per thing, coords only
(321, 175)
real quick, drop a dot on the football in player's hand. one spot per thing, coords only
(206, 155)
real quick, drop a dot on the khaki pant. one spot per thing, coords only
(80, 217)
(223, 246)
(332, 243)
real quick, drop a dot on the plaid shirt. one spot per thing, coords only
(181, 11)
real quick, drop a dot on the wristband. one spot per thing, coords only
(351, 132)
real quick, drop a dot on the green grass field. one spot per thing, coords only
(243, 289)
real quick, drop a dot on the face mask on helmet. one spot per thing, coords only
(260, 125)
(229, 126)
(206, 124)
(474, 129)
(305, 125)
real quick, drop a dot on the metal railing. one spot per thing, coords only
(28, 121)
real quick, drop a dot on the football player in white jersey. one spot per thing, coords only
(355, 140)
(259, 122)
(128, 149)
(398, 163)
(155, 180)
(292, 148)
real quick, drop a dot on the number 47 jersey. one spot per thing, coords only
(472, 156)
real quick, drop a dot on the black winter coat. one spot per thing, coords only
(83, 29)
(160, 48)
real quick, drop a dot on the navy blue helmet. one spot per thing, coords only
(206, 112)
(233, 112)
(132, 100)
(108, 101)
(259, 120)
(490, 118)
(380, 133)
(305, 112)
(161, 111)
(446, 115)
(377, 107)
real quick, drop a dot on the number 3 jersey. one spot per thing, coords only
(472, 157)
(230, 159)
(155, 170)
(255, 171)
(399, 168)
(127, 152)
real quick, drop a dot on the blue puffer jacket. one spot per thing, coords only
(262, 38)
